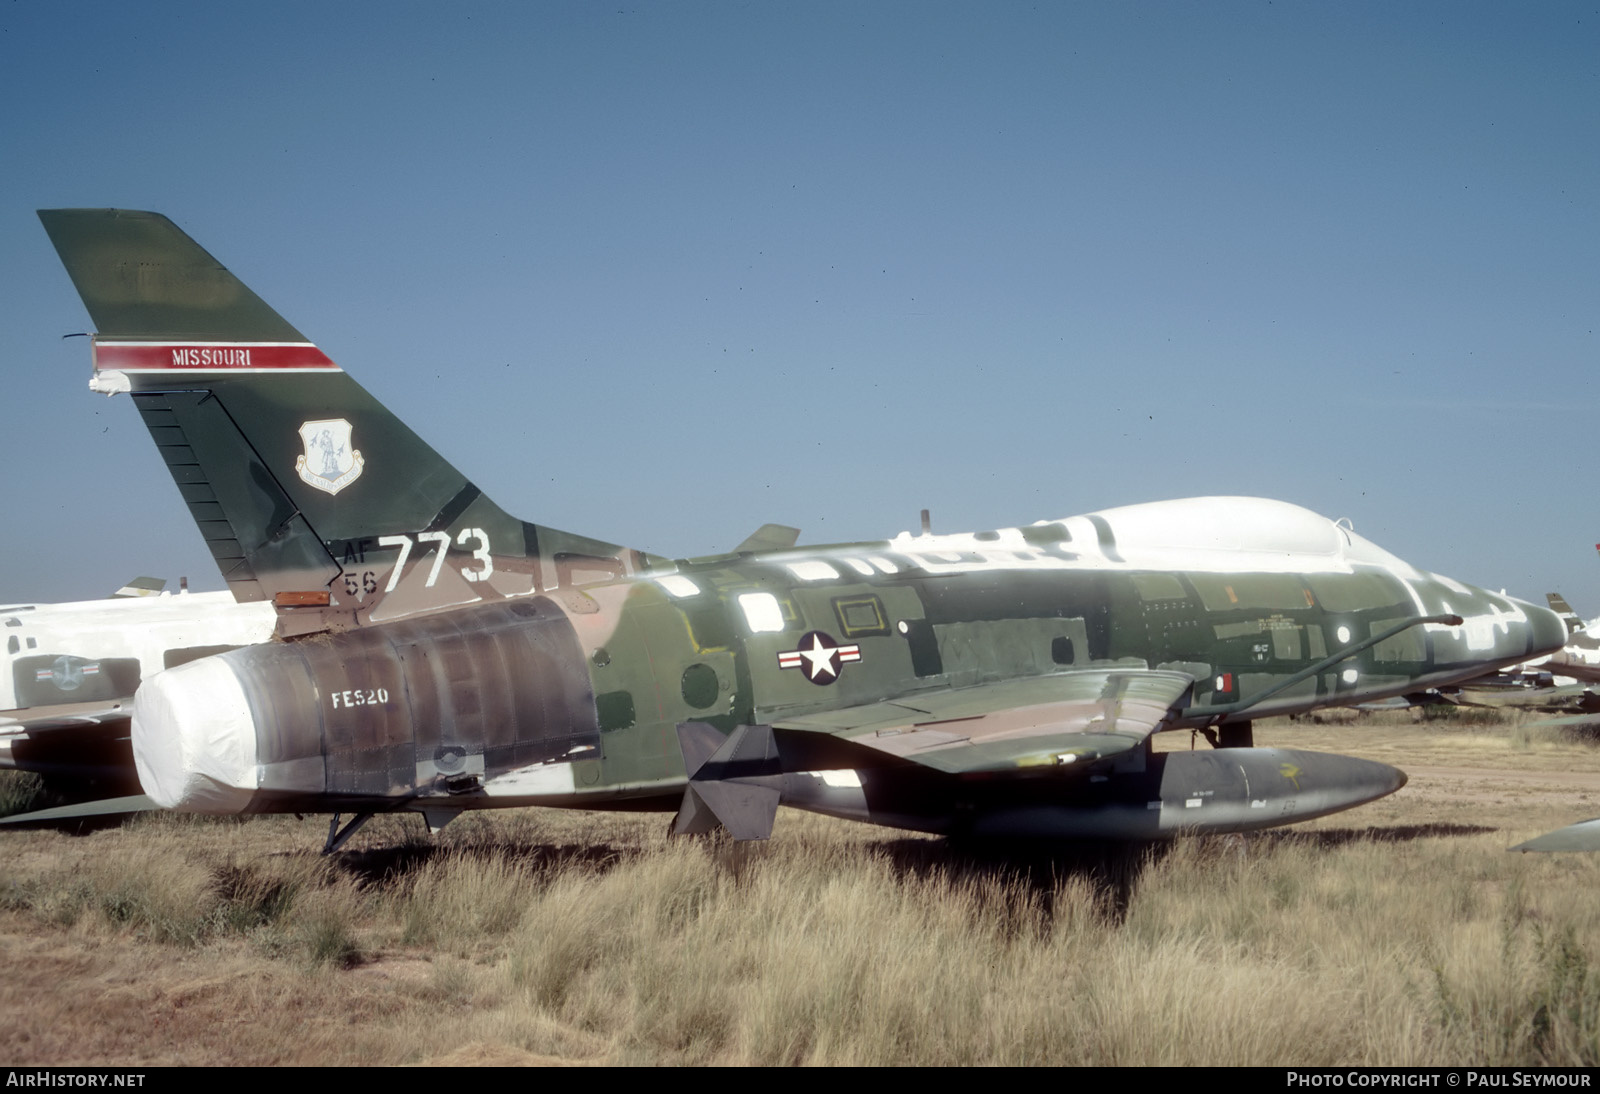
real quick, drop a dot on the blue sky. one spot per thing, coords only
(661, 273)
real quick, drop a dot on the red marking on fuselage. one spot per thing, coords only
(186, 356)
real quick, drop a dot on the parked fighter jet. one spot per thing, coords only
(71, 671)
(1579, 659)
(440, 656)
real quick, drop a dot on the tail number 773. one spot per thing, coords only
(440, 541)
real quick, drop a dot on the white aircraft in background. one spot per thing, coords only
(70, 672)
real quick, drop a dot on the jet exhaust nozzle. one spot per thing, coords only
(194, 739)
(432, 707)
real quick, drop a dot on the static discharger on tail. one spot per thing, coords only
(438, 655)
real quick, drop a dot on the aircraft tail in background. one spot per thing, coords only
(308, 491)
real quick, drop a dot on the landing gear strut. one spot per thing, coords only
(336, 837)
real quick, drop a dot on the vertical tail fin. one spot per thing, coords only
(308, 491)
(1559, 605)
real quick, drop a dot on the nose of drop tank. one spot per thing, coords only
(194, 740)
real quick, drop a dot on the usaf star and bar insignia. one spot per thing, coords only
(819, 657)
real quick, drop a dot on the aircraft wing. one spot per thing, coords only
(1011, 724)
(1590, 720)
(1007, 728)
(32, 720)
(1563, 664)
(84, 748)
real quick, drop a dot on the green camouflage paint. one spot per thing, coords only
(444, 656)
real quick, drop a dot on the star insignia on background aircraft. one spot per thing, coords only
(437, 655)
(67, 672)
(818, 656)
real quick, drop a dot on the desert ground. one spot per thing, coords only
(1403, 932)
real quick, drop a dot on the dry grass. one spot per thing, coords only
(1403, 933)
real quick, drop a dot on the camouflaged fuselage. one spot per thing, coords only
(574, 696)
(436, 654)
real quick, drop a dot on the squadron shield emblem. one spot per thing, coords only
(329, 463)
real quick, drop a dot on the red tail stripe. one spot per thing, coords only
(207, 356)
